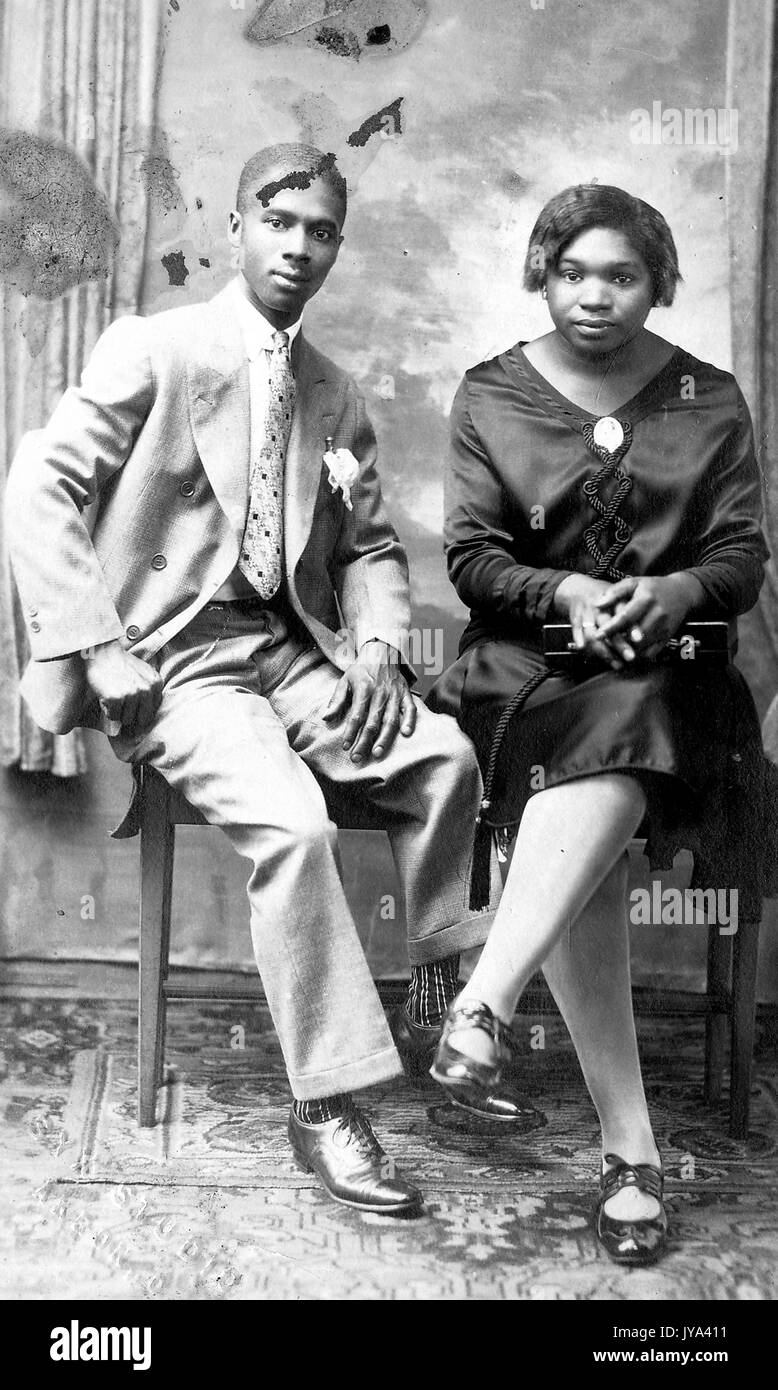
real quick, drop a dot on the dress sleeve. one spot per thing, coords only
(731, 548)
(479, 543)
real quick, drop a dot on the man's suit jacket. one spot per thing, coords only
(157, 436)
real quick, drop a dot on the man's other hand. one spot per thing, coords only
(128, 689)
(375, 692)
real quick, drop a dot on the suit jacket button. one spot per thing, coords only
(187, 488)
(33, 612)
(133, 633)
(158, 562)
(36, 627)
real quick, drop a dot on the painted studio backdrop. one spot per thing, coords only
(123, 128)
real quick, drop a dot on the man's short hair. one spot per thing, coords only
(287, 166)
(585, 205)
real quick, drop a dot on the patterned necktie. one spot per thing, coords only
(260, 552)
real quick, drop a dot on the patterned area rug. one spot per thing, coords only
(223, 1120)
(209, 1205)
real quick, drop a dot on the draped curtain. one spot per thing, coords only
(752, 210)
(79, 77)
(752, 201)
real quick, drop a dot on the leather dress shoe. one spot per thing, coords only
(639, 1242)
(417, 1045)
(351, 1165)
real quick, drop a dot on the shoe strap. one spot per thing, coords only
(476, 1015)
(506, 1035)
(644, 1176)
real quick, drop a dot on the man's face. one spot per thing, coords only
(287, 248)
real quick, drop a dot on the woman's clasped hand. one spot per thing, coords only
(633, 618)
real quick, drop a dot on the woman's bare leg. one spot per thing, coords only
(569, 840)
(588, 973)
(563, 906)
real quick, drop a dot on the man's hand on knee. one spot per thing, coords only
(375, 692)
(127, 688)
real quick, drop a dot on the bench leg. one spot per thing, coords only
(746, 952)
(719, 961)
(156, 880)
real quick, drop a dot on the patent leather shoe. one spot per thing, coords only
(417, 1045)
(462, 1075)
(639, 1242)
(350, 1164)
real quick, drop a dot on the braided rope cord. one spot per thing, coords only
(608, 512)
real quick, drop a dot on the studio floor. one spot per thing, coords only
(208, 1205)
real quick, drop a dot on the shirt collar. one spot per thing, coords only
(257, 332)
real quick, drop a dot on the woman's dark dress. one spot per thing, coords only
(517, 517)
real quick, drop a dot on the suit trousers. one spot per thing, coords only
(240, 731)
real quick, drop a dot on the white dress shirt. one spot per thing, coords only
(258, 337)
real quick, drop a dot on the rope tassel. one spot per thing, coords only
(481, 864)
(480, 869)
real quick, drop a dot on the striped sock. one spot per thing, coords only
(432, 988)
(319, 1111)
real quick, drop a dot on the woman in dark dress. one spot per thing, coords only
(604, 478)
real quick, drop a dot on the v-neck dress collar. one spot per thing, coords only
(650, 396)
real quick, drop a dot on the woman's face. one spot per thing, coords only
(600, 293)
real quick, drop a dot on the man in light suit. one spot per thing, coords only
(235, 616)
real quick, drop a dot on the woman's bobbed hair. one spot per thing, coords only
(585, 205)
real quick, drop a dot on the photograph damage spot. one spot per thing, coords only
(176, 267)
(388, 120)
(295, 179)
(350, 29)
(56, 228)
